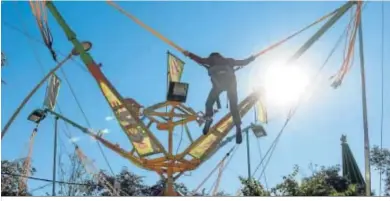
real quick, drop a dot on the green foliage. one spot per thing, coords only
(252, 187)
(125, 184)
(289, 186)
(380, 160)
(324, 182)
(204, 193)
(129, 184)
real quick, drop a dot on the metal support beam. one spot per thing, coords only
(55, 155)
(248, 154)
(364, 107)
(341, 11)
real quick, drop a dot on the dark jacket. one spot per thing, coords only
(220, 69)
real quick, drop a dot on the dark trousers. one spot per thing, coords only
(230, 87)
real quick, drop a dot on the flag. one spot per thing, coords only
(175, 68)
(52, 92)
(261, 112)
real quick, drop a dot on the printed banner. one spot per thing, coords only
(138, 136)
(52, 92)
(175, 68)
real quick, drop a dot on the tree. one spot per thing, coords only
(325, 182)
(289, 186)
(380, 160)
(10, 170)
(204, 193)
(252, 187)
(159, 187)
(123, 184)
(328, 182)
(75, 173)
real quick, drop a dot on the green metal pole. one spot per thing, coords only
(248, 154)
(74, 124)
(32, 92)
(342, 10)
(365, 120)
(85, 57)
(55, 155)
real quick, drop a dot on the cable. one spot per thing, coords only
(39, 188)
(86, 119)
(224, 168)
(261, 156)
(382, 86)
(27, 35)
(295, 34)
(215, 168)
(78, 103)
(139, 22)
(46, 180)
(292, 112)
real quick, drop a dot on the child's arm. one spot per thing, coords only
(198, 59)
(243, 62)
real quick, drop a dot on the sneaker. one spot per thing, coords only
(238, 135)
(207, 126)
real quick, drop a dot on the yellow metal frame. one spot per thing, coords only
(171, 166)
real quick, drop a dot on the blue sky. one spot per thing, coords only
(135, 63)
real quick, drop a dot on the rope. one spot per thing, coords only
(71, 89)
(224, 168)
(91, 170)
(136, 20)
(218, 181)
(42, 68)
(87, 121)
(346, 65)
(32, 92)
(215, 168)
(292, 112)
(261, 156)
(27, 161)
(8, 124)
(41, 19)
(33, 39)
(40, 64)
(295, 34)
(382, 97)
(139, 22)
(82, 157)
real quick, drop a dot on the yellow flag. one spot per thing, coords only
(261, 112)
(175, 68)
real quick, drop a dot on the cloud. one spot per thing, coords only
(105, 131)
(74, 139)
(109, 118)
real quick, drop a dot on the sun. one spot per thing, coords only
(282, 85)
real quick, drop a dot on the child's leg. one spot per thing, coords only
(233, 101)
(213, 96)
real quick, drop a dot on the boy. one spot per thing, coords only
(221, 70)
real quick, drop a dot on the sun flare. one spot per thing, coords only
(282, 85)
